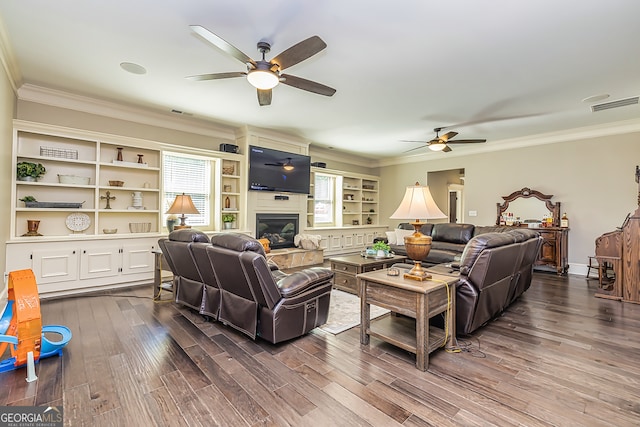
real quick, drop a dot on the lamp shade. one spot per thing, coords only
(183, 205)
(418, 204)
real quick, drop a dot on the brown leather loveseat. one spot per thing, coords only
(495, 269)
(237, 286)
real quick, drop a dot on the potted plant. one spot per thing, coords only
(27, 171)
(228, 220)
(381, 248)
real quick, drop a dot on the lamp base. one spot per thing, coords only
(418, 247)
(417, 273)
(180, 227)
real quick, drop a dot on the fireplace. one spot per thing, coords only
(279, 229)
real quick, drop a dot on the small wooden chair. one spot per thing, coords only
(593, 263)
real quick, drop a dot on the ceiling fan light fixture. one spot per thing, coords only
(288, 166)
(263, 79)
(437, 146)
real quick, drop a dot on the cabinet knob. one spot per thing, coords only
(344, 281)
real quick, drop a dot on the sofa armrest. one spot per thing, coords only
(303, 280)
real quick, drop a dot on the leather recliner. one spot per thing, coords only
(188, 283)
(495, 269)
(260, 302)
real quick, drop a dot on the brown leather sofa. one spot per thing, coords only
(237, 286)
(495, 269)
(188, 285)
(448, 240)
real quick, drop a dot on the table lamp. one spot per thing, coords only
(182, 205)
(417, 204)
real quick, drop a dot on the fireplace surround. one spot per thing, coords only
(278, 228)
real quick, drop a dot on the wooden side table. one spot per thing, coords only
(345, 269)
(160, 265)
(416, 302)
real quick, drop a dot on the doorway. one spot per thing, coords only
(456, 213)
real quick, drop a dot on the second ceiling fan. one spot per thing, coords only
(441, 143)
(265, 75)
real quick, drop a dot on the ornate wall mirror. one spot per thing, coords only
(529, 204)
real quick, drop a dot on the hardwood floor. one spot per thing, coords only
(558, 356)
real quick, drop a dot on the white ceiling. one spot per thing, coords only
(515, 68)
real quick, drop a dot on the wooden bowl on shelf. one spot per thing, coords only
(116, 183)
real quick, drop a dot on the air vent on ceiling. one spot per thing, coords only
(614, 104)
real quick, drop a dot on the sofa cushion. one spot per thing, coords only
(188, 235)
(391, 237)
(453, 233)
(446, 246)
(238, 242)
(400, 235)
(481, 229)
(479, 243)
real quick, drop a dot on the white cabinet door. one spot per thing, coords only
(360, 240)
(137, 259)
(100, 262)
(55, 265)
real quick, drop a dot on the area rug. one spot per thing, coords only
(344, 312)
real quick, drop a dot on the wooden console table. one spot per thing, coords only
(415, 303)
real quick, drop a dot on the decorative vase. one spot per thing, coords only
(32, 227)
(137, 199)
(119, 155)
(381, 253)
(171, 223)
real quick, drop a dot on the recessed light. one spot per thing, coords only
(596, 98)
(133, 68)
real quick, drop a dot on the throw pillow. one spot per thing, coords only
(400, 234)
(391, 237)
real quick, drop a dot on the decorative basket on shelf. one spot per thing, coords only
(228, 170)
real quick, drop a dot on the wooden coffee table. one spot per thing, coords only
(415, 302)
(346, 268)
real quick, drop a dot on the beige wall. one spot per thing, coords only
(7, 110)
(592, 178)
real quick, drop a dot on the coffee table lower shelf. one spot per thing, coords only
(400, 331)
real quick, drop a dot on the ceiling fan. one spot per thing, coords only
(265, 75)
(287, 165)
(441, 143)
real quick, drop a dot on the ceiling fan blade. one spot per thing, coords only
(413, 149)
(299, 52)
(447, 136)
(221, 44)
(264, 96)
(217, 76)
(447, 149)
(466, 141)
(308, 85)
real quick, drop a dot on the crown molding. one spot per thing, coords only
(8, 59)
(587, 132)
(343, 157)
(62, 99)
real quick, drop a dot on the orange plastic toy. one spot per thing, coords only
(21, 324)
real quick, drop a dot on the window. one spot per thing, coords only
(324, 199)
(183, 173)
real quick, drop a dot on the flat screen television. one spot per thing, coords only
(275, 170)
